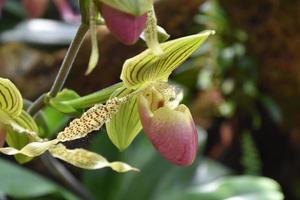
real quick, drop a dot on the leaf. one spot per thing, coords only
(87, 160)
(50, 121)
(133, 7)
(147, 67)
(18, 139)
(11, 101)
(125, 124)
(237, 187)
(18, 182)
(65, 95)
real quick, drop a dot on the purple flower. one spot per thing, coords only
(125, 27)
(172, 131)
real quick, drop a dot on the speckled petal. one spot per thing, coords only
(127, 28)
(172, 132)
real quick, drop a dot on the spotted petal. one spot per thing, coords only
(87, 160)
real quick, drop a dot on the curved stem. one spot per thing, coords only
(68, 61)
(37, 105)
(63, 71)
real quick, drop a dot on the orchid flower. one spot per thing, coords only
(146, 100)
(168, 125)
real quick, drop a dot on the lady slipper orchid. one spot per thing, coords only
(168, 125)
(171, 130)
(125, 27)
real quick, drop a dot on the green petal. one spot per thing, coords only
(19, 140)
(11, 101)
(87, 160)
(146, 67)
(134, 7)
(125, 124)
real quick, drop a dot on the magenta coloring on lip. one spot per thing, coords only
(171, 131)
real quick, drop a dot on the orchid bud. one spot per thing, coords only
(171, 131)
(125, 27)
(35, 8)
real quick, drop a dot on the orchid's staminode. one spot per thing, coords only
(127, 28)
(169, 127)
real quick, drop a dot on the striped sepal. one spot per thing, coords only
(11, 101)
(147, 67)
(125, 124)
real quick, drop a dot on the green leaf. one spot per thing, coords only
(237, 187)
(11, 101)
(133, 7)
(19, 140)
(18, 182)
(58, 101)
(147, 67)
(125, 124)
(50, 121)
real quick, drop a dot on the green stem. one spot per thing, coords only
(93, 98)
(55, 167)
(68, 61)
(63, 72)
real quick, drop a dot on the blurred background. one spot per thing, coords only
(242, 86)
